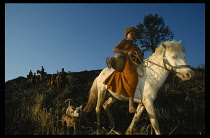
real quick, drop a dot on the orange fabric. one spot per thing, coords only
(124, 82)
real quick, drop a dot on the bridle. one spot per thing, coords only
(166, 62)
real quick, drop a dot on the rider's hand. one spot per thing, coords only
(130, 52)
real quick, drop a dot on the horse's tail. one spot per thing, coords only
(93, 95)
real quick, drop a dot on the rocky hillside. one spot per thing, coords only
(35, 109)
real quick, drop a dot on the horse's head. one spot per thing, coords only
(174, 60)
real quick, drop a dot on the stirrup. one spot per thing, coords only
(108, 62)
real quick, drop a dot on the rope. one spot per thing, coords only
(138, 58)
(154, 63)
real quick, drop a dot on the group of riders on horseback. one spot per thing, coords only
(58, 79)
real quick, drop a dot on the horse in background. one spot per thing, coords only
(168, 57)
(43, 75)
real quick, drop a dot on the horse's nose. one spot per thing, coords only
(188, 75)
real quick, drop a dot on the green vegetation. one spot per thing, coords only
(35, 109)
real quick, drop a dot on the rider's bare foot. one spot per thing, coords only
(131, 105)
(132, 109)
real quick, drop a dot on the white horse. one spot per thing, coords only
(168, 57)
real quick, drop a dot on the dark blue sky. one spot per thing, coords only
(79, 37)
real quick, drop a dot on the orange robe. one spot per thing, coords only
(124, 82)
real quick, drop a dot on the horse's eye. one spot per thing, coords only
(173, 57)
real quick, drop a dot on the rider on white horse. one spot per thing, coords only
(124, 82)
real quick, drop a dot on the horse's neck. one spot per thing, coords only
(156, 69)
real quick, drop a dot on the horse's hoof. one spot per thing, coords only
(129, 132)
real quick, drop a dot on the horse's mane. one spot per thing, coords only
(172, 46)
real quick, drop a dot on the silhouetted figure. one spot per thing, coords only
(30, 77)
(35, 78)
(42, 74)
(63, 75)
(30, 74)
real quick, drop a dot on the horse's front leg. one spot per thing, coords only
(101, 97)
(151, 113)
(135, 119)
(106, 106)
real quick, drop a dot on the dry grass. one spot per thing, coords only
(36, 110)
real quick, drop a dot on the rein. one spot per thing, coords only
(138, 65)
(165, 62)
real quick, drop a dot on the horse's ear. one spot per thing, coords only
(180, 41)
(163, 45)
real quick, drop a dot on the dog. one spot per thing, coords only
(71, 116)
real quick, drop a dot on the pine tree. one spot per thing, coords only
(152, 32)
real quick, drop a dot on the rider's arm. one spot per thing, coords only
(119, 46)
